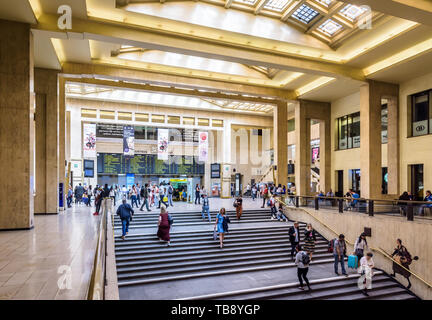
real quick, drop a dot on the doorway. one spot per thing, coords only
(417, 187)
(339, 184)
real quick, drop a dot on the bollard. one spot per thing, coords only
(410, 212)
(371, 208)
(316, 203)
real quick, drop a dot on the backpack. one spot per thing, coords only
(170, 190)
(170, 219)
(330, 246)
(305, 259)
(225, 222)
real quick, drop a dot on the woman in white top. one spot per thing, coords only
(360, 246)
(366, 270)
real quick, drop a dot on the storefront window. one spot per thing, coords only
(421, 118)
(349, 131)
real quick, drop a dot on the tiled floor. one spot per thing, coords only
(30, 260)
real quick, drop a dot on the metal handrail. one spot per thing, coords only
(362, 199)
(385, 254)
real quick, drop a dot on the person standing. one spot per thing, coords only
(98, 201)
(125, 212)
(89, 195)
(69, 197)
(197, 194)
(170, 194)
(163, 200)
(221, 225)
(366, 266)
(302, 261)
(310, 239)
(254, 192)
(265, 195)
(138, 194)
(427, 198)
(156, 196)
(239, 207)
(133, 196)
(339, 254)
(360, 246)
(163, 232)
(294, 237)
(206, 207)
(144, 195)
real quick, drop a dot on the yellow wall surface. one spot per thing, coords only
(414, 150)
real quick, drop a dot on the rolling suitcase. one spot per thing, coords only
(352, 262)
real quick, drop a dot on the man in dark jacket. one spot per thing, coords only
(294, 236)
(144, 195)
(125, 212)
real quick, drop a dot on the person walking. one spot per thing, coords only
(310, 239)
(366, 266)
(294, 237)
(360, 246)
(238, 203)
(197, 194)
(403, 258)
(206, 208)
(98, 202)
(145, 196)
(164, 226)
(133, 196)
(125, 212)
(254, 192)
(170, 194)
(221, 225)
(339, 254)
(157, 196)
(302, 261)
(69, 197)
(265, 195)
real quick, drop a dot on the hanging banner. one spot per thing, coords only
(203, 146)
(89, 145)
(162, 144)
(128, 140)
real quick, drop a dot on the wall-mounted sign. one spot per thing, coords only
(203, 146)
(215, 170)
(89, 168)
(89, 145)
(420, 128)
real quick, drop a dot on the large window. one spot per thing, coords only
(349, 131)
(421, 113)
(384, 123)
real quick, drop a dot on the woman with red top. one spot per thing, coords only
(164, 226)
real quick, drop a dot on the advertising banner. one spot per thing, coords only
(162, 144)
(203, 146)
(89, 145)
(128, 140)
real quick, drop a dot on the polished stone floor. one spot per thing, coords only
(59, 249)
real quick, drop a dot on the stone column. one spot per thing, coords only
(46, 199)
(280, 143)
(325, 154)
(16, 126)
(226, 160)
(371, 95)
(393, 146)
(302, 149)
(62, 139)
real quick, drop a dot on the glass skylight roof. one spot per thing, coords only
(325, 2)
(352, 12)
(330, 27)
(249, 2)
(305, 14)
(277, 5)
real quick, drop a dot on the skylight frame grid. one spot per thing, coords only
(322, 28)
(344, 11)
(277, 5)
(305, 14)
(251, 3)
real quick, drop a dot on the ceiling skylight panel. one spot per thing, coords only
(277, 5)
(249, 2)
(325, 2)
(305, 14)
(330, 27)
(352, 12)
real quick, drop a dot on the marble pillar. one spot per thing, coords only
(17, 133)
(280, 128)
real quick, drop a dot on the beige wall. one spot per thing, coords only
(415, 150)
(350, 158)
(385, 231)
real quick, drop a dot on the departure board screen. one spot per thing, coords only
(148, 164)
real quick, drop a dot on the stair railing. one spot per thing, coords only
(385, 254)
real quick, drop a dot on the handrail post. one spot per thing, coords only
(410, 212)
(297, 201)
(371, 208)
(340, 203)
(316, 203)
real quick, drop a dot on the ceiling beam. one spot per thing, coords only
(415, 10)
(260, 6)
(78, 70)
(228, 3)
(127, 34)
(108, 84)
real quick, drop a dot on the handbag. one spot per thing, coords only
(359, 252)
(214, 234)
(235, 204)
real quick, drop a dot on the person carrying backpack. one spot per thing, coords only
(125, 212)
(170, 194)
(302, 261)
(206, 207)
